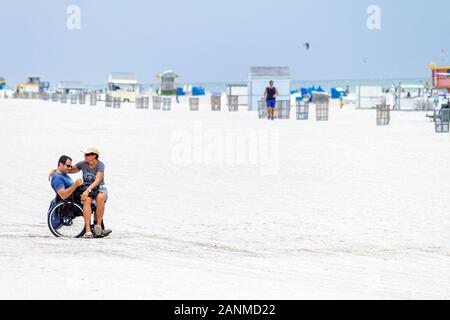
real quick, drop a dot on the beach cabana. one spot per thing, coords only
(168, 82)
(2, 83)
(259, 78)
(181, 92)
(337, 93)
(410, 97)
(240, 91)
(70, 87)
(123, 86)
(368, 97)
(198, 91)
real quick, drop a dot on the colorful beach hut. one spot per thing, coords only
(123, 86)
(259, 78)
(2, 83)
(440, 77)
(168, 79)
(33, 85)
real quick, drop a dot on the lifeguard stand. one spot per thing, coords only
(168, 82)
(440, 77)
(33, 85)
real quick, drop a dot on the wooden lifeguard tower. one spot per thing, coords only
(440, 77)
(33, 85)
(167, 82)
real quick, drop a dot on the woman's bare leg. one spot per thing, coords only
(87, 212)
(101, 199)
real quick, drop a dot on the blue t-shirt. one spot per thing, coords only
(61, 181)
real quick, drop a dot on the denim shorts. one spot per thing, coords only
(271, 103)
(103, 189)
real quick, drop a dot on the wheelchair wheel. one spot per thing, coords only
(65, 220)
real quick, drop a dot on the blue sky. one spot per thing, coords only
(217, 41)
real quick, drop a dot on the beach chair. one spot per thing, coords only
(283, 109)
(442, 121)
(156, 102)
(44, 96)
(216, 103)
(116, 103)
(194, 104)
(82, 98)
(139, 103)
(73, 99)
(322, 102)
(167, 104)
(302, 110)
(383, 115)
(322, 111)
(233, 103)
(146, 102)
(108, 101)
(93, 99)
(262, 109)
(55, 97)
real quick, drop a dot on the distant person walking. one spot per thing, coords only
(270, 96)
(390, 99)
(347, 91)
(341, 102)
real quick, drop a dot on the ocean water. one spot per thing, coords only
(325, 84)
(295, 84)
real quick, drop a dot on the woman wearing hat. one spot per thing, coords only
(93, 177)
(93, 180)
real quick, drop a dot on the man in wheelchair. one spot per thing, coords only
(61, 183)
(66, 208)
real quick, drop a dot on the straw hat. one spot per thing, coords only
(91, 149)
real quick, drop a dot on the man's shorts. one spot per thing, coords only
(271, 103)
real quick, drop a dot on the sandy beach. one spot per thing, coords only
(323, 210)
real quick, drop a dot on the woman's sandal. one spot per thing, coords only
(100, 233)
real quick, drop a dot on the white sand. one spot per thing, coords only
(347, 210)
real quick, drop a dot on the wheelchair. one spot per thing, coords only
(65, 217)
